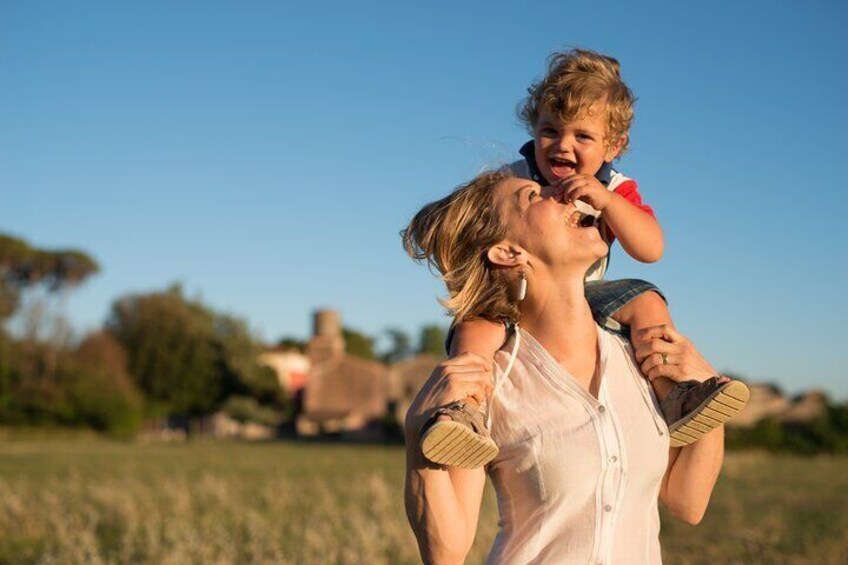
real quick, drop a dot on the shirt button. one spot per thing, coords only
(602, 408)
(608, 508)
(613, 459)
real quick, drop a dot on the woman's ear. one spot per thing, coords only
(505, 254)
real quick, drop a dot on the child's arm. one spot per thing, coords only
(638, 231)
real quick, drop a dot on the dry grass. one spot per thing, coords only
(90, 501)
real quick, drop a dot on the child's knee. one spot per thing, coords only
(648, 307)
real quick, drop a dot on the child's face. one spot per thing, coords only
(579, 146)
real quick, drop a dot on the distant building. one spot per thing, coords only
(344, 394)
(291, 367)
(768, 401)
(405, 380)
(805, 408)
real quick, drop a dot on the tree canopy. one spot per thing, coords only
(358, 344)
(186, 357)
(23, 267)
(432, 340)
(400, 348)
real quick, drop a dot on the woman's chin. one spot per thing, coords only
(597, 247)
(594, 240)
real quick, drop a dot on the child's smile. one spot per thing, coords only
(566, 148)
(562, 168)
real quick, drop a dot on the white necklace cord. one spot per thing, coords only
(512, 356)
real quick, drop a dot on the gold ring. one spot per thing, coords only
(665, 358)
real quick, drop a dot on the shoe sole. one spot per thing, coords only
(456, 445)
(725, 403)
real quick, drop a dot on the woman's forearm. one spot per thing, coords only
(693, 471)
(443, 503)
(440, 506)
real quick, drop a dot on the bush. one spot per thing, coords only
(102, 400)
(247, 409)
(828, 433)
(99, 389)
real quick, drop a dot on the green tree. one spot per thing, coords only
(238, 354)
(23, 268)
(432, 340)
(358, 344)
(288, 342)
(30, 388)
(99, 388)
(171, 351)
(400, 348)
(187, 358)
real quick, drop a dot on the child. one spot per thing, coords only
(580, 116)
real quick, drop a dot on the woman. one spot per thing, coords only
(584, 452)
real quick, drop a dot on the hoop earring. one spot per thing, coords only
(522, 286)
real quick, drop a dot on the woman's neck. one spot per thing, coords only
(559, 318)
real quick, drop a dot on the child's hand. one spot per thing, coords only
(583, 187)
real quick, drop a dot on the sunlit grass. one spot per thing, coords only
(92, 501)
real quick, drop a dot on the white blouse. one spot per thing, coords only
(577, 478)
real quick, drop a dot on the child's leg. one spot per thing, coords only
(691, 408)
(647, 310)
(626, 306)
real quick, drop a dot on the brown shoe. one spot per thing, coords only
(693, 408)
(462, 441)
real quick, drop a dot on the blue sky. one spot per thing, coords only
(266, 155)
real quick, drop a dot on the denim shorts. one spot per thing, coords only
(605, 299)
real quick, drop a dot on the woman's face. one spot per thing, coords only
(546, 228)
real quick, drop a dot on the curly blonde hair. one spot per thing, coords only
(453, 236)
(576, 79)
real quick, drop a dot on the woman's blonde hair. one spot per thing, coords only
(453, 235)
(576, 79)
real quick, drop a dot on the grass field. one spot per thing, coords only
(92, 501)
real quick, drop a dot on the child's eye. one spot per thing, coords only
(548, 132)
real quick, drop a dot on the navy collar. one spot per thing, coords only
(528, 151)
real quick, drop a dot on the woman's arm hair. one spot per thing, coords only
(692, 470)
(443, 506)
(442, 503)
(691, 475)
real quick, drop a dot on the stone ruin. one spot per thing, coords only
(350, 396)
(768, 401)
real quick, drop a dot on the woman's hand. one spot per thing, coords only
(663, 352)
(466, 375)
(443, 503)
